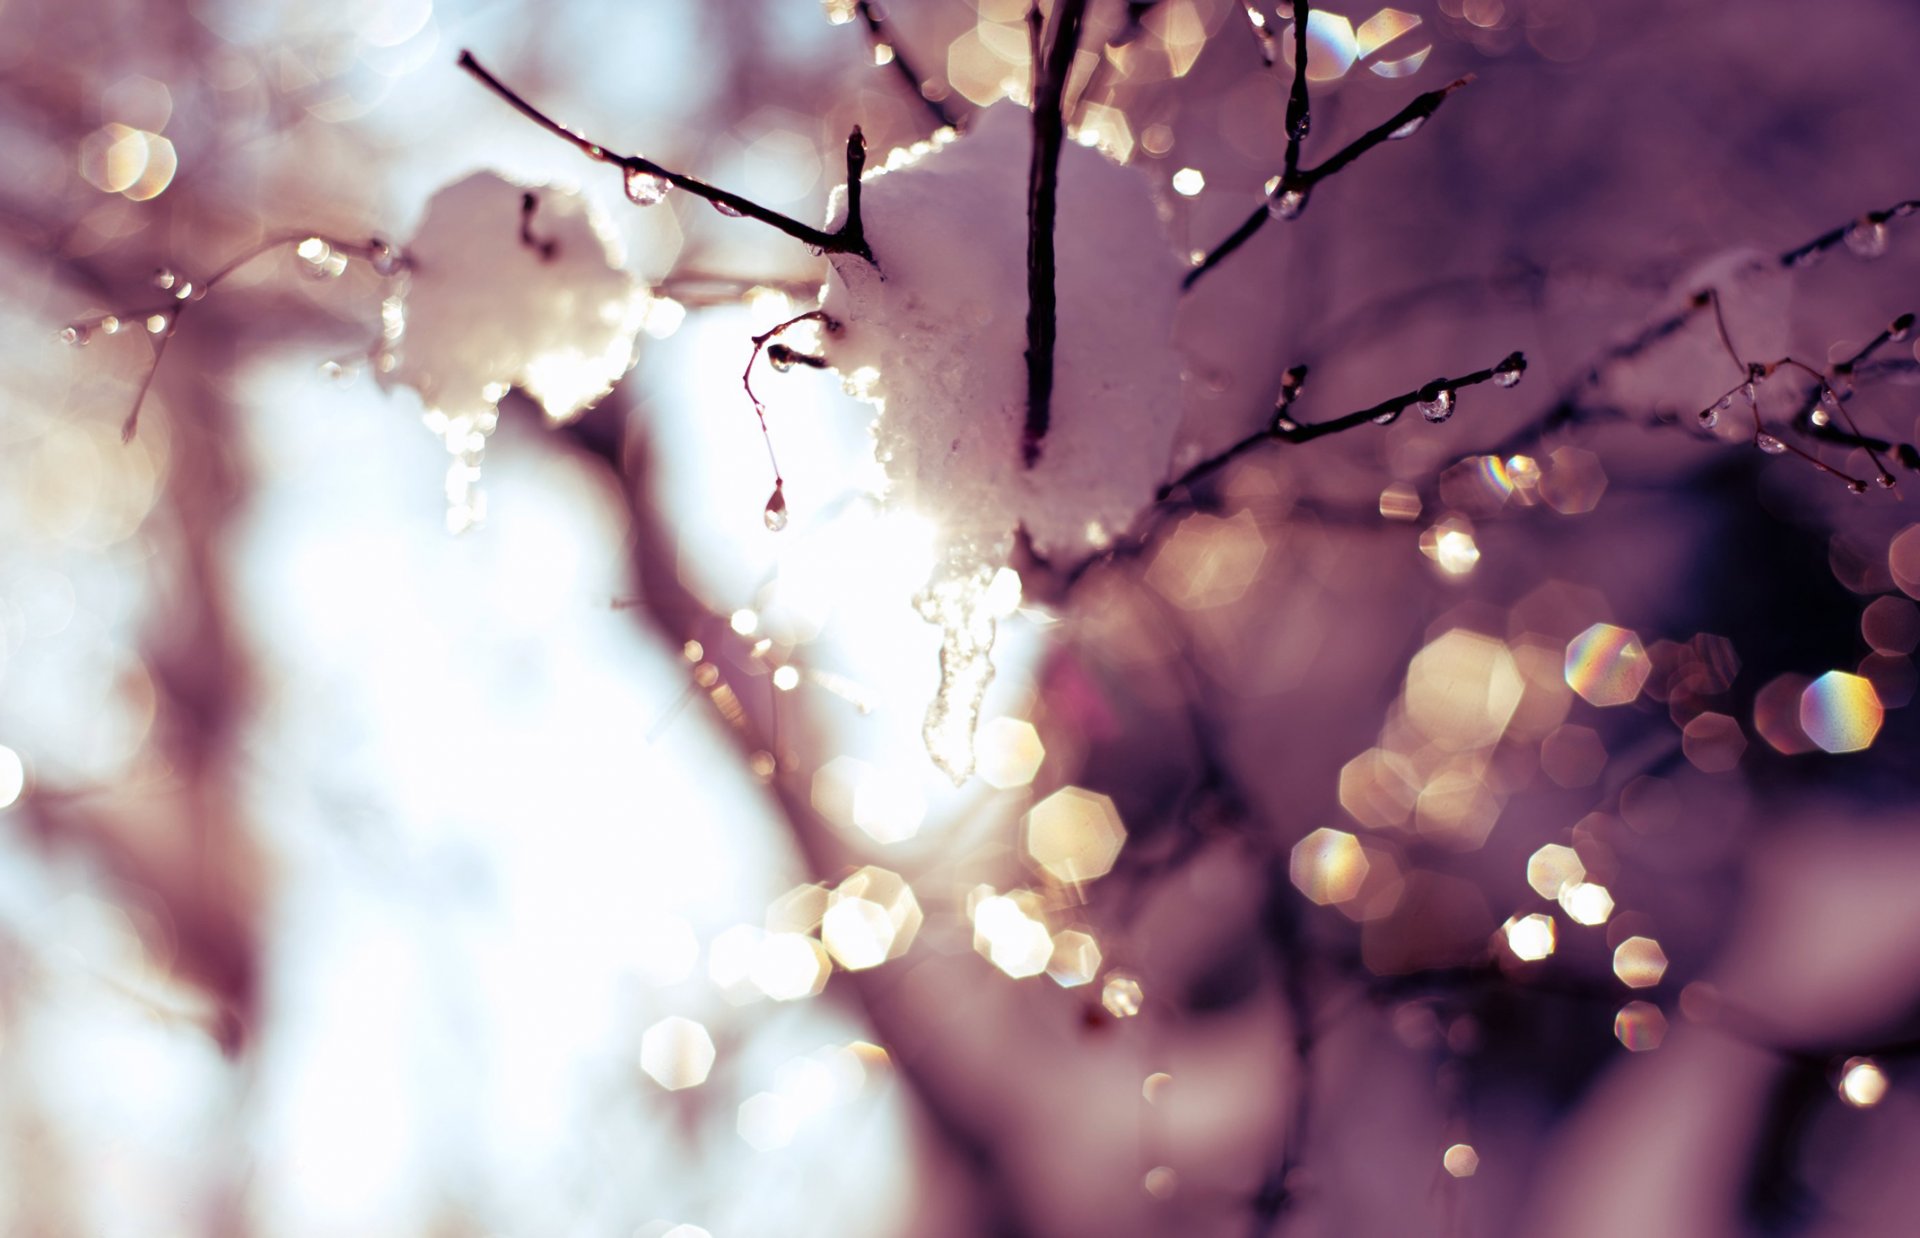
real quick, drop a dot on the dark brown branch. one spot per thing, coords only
(1802, 255)
(1299, 103)
(875, 19)
(1284, 428)
(849, 238)
(1289, 192)
(1043, 186)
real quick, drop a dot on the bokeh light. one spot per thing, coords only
(1075, 835)
(677, 1053)
(1640, 1026)
(1840, 712)
(1607, 665)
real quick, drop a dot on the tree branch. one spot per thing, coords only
(1043, 184)
(1287, 194)
(1436, 399)
(849, 238)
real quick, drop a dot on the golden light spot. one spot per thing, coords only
(1161, 1182)
(1450, 544)
(745, 622)
(798, 910)
(1075, 960)
(1554, 868)
(1400, 501)
(1328, 866)
(1381, 29)
(1188, 182)
(1007, 753)
(1841, 712)
(1075, 835)
(1154, 1085)
(1607, 665)
(1461, 1160)
(1531, 937)
(1586, 903)
(1378, 788)
(1207, 560)
(1456, 808)
(1640, 1026)
(1011, 931)
(676, 1053)
(871, 917)
(1862, 1083)
(1122, 996)
(786, 678)
(790, 966)
(1462, 689)
(1639, 962)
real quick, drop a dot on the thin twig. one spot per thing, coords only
(1801, 255)
(1283, 428)
(1299, 102)
(760, 341)
(875, 19)
(381, 256)
(849, 238)
(1290, 191)
(1043, 185)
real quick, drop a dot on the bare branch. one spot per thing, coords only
(849, 238)
(1043, 185)
(1435, 399)
(1866, 234)
(1288, 193)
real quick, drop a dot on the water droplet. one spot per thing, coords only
(1508, 372)
(1769, 444)
(646, 189)
(1857, 486)
(1287, 205)
(776, 510)
(384, 258)
(164, 279)
(110, 325)
(1438, 407)
(780, 358)
(1301, 126)
(1709, 417)
(1285, 425)
(1407, 130)
(76, 334)
(1867, 238)
(184, 291)
(1819, 417)
(731, 212)
(1387, 418)
(839, 12)
(157, 324)
(1900, 328)
(882, 53)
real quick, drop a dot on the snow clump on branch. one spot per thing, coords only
(506, 285)
(934, 335)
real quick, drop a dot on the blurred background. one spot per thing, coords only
(1498, 827)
